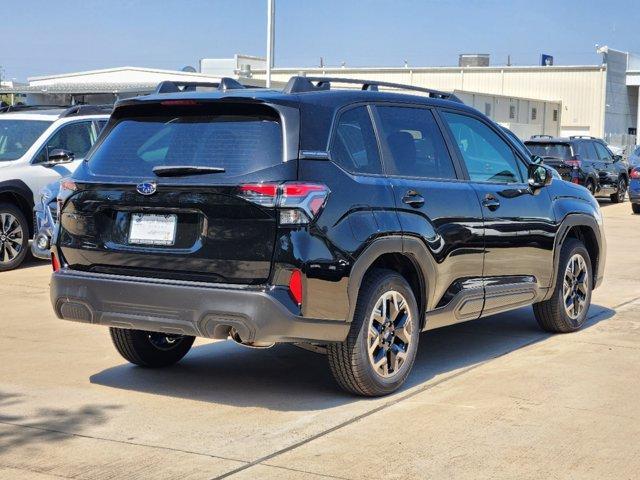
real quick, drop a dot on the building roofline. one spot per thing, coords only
(528, 68)
(118, 69)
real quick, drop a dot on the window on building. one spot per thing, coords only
(534, 113)
(512, 112)
(487, 109)
(555, 115)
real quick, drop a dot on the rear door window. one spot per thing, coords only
(416, 144)
(603, 153)
(239, 144)
(354, 145)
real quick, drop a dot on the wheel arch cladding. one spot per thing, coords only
(19, 194)
(387, 253)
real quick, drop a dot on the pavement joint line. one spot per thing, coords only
(304, 471)
(393, 402)
(357, 418)
(123, 442)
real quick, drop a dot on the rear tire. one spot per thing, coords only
(621, 192)
(150, 349)
(567, 309)
(14, 237)
(381, 347)
(589, 185)
(636, 208)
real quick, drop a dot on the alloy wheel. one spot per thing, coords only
(11, 237)
(622, 190)
(575, 287)
(389, 334)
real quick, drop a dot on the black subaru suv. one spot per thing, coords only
(586, 161)
(348, 219)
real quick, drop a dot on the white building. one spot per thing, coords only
(599, 100)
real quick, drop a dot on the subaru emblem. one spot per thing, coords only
(147, 188)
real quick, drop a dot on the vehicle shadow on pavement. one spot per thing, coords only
(288, 378)
(45, 424)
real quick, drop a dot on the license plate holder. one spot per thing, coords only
(153, 229)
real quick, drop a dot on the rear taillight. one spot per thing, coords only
(55, 263)
(575, 180)
(635, 173)
(298, 202)
(574, 162)
(67, 188)
(295, 286)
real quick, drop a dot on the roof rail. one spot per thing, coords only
(541, 136)
(299, 84)
(87, 110)
(583, 136)
(23, 108)
(170, 86)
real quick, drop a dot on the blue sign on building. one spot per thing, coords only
(546, 60)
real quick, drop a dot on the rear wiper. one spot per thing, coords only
(185, 170)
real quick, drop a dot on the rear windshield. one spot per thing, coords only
(240, 144)
(550, 150)
(16, 136)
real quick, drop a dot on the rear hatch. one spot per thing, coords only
(165, 194)
(555, 154)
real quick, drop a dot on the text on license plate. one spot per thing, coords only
(148, 229)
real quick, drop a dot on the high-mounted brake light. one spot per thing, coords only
(178, 103)
(635, 173)
(299, 202)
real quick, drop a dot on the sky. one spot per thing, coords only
(41, 37)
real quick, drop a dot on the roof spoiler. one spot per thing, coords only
(170, 86)
(299, 84)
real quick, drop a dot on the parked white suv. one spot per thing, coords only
(38, 146)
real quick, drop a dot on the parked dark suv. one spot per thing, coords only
(350, 219)
(586, 161)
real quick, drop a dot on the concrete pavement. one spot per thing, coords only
(496, 398)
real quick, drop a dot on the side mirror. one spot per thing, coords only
(539, 176)
(58, 156)
(537, 159)
(617, 158)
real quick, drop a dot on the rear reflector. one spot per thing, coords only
(55, 264)
(635, 173)
(575, 180)
(295, 286)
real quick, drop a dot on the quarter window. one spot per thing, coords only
(355, 147)
(488, 158)
(416, 144)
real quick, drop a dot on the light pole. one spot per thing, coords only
(271, 10)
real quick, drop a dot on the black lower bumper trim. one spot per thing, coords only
(196, 310)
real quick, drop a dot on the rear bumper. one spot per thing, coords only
(186, 309)
(634, 191)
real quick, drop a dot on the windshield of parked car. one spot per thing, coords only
(16, 136)
(231, 144)
(550, 150)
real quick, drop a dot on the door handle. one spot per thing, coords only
(413, 198)
(490, 202)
